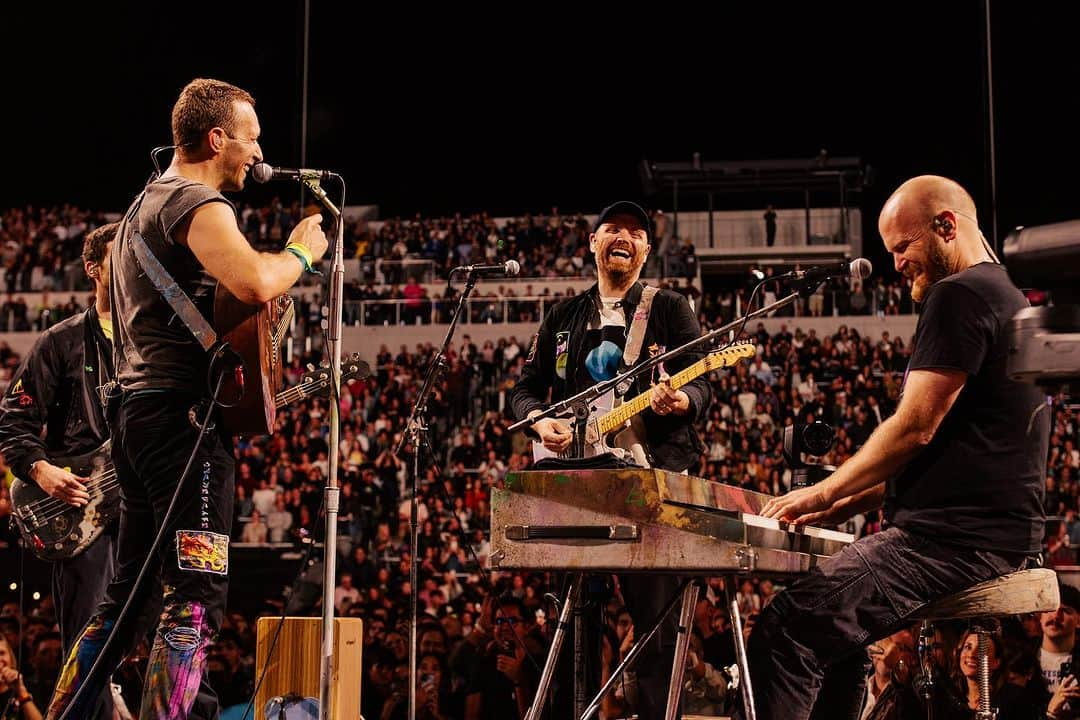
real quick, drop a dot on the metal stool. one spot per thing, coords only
(1020, 592)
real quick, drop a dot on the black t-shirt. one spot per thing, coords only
(979, 483)
(154, 349)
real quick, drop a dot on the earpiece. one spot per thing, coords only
(943, 225)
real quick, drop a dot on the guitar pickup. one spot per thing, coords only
(611, 533)
(29, 517)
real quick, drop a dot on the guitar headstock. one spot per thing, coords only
(731, 355)
(316, 381)
(353, 368)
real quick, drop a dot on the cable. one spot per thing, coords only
(284, 610)
(299, 574)
(143, 571)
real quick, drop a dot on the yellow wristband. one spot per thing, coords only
(303, 250)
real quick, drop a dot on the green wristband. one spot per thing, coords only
(304, 261)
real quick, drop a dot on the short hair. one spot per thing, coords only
(45, 636)
(1070, 596)
(203, 105)
(506, 600)
(228, 635)
(93, 249)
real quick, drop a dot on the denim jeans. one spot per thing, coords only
(152, 441)
(807, 652)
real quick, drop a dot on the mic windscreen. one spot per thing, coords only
(513, 267)
(861, 268)
(262, 173)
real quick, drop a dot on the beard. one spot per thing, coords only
(936, 268)
(621, 273)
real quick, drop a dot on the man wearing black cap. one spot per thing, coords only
(580, 343)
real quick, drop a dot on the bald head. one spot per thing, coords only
(926, 197)
(930, 227)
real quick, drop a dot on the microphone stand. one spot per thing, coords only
(332, 492)
(580, 405)
(416, 430)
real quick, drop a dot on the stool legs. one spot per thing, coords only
(984, 629)
(926, 662)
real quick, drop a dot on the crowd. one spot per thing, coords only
(40, 250)
(467, 639)
(484, 634)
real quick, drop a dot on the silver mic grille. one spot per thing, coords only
(861, 268)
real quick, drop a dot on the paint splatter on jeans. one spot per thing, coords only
(176, 661)
(77, 668)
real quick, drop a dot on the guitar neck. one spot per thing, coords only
(615, 418)
(293, 394)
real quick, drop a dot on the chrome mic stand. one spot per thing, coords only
(333, 351)
(416, 430)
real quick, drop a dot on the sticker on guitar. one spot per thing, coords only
(619, 429)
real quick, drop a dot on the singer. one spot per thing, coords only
(161, 371)
(582, 341)
(959, 466)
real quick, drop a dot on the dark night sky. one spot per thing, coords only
(429, 111)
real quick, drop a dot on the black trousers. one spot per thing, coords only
(646, 594)
(152, 442)
(78, 586)
(807, 650)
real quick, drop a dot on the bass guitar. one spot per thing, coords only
(54, 530)
(618, 429)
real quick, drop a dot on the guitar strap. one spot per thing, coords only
(178, 300)
(635, 337)
(173, 294)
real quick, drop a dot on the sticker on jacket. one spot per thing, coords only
(562, 352)
(202, 551)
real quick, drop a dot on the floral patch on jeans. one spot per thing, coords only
(202, 551)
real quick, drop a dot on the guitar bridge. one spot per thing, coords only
(27, 517)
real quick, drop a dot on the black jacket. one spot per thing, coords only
(672, 440)
(55, 389)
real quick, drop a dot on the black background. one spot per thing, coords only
(517, 108)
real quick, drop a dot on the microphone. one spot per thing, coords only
(859, 268)
(508, 268)
(264, 173)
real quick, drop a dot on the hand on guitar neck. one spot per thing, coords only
(665, 400)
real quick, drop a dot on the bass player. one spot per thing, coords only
(52, 408)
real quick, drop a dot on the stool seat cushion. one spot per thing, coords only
(1025, 591)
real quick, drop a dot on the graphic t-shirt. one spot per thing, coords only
(1051, 663)
(602, 350)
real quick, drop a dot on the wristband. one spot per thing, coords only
(25, 699)
(303, 255)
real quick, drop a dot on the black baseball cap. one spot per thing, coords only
(623, 207)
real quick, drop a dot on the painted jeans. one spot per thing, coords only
(152, 441)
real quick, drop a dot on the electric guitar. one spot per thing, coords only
(54, 530)
(619, 429)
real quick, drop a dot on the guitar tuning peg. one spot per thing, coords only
(311, 367)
